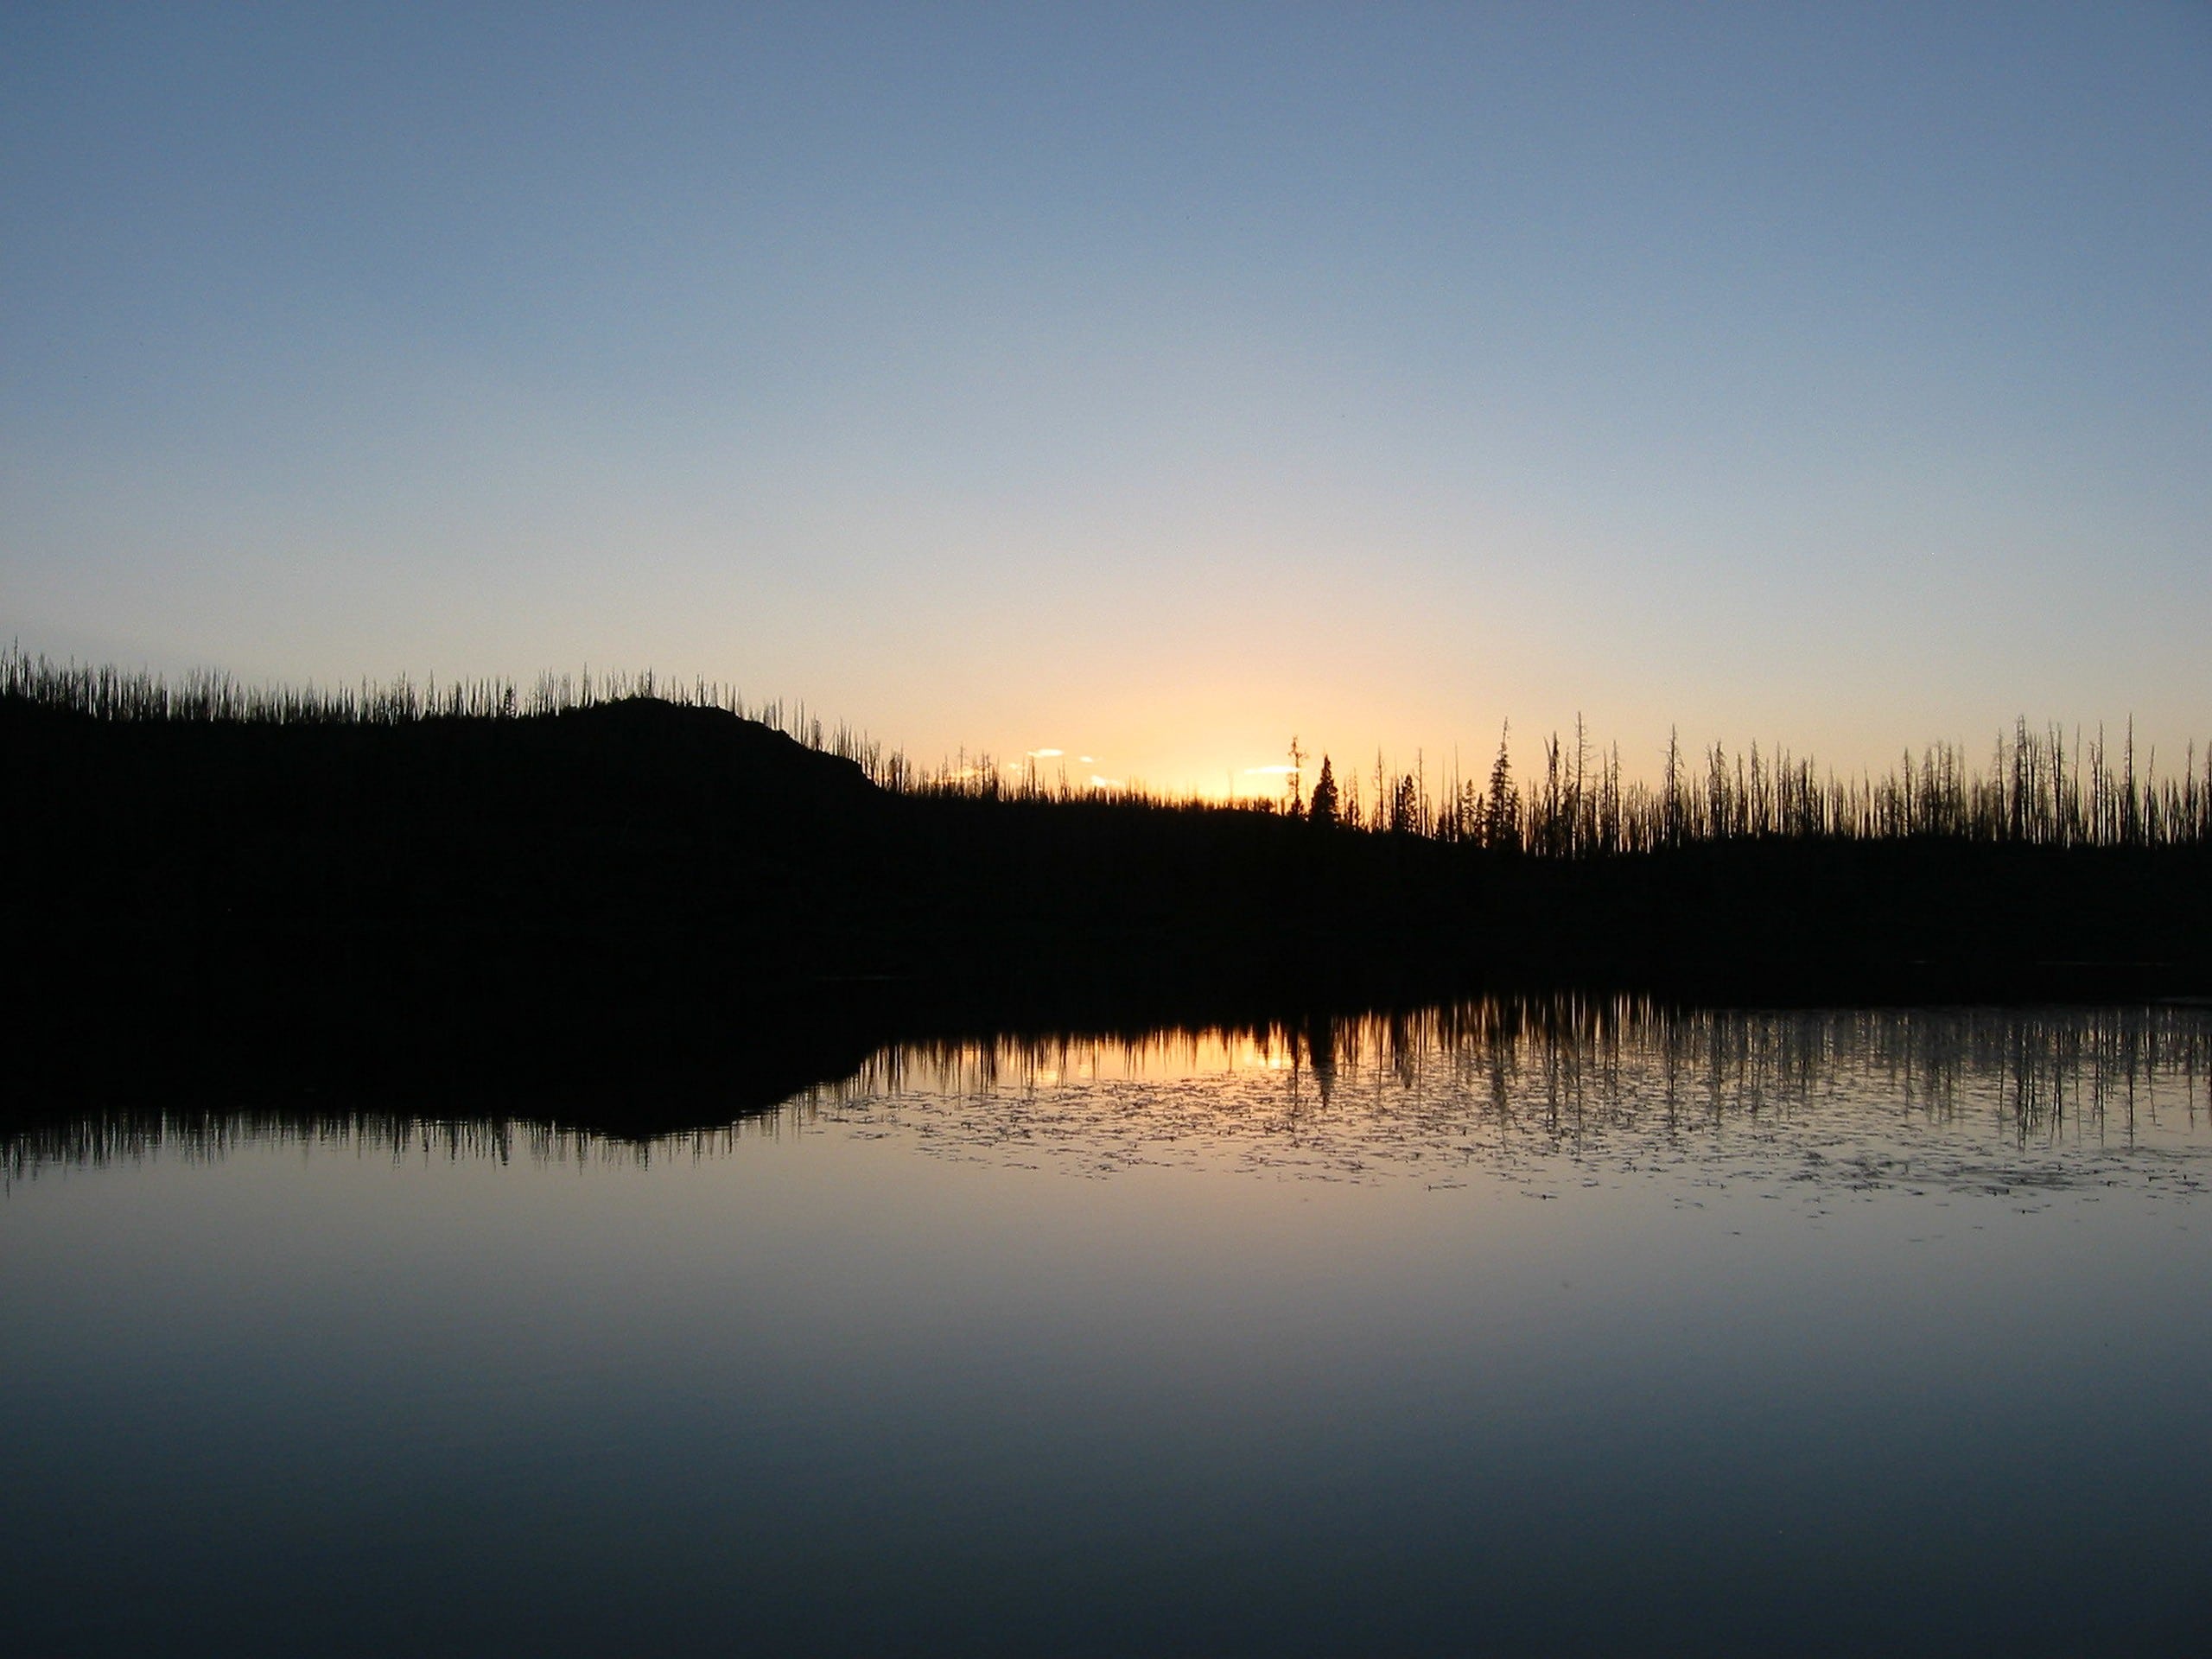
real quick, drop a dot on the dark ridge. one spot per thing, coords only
(646, 914)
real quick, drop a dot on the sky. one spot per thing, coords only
(1151, 383)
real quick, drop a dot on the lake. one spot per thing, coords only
(1547, 1327)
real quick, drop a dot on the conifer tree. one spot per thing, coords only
(1501, 827)
(1322, 809)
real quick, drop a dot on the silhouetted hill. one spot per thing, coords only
(632, 815)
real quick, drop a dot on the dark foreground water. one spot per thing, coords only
(1577, 1329)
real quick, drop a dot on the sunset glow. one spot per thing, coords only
(1185, 380)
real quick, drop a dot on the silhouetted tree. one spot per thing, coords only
(1323, 808)
(1405, 806)
(1502, 825)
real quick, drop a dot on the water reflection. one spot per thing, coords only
(2003, 1101)
(1989, 1099)
(129, 1134)
(1250, 1338)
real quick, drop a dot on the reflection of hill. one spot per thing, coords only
(1952, 1099)
(1811, 1105)
(637, 900)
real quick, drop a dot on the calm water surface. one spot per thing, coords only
(1578, 1328)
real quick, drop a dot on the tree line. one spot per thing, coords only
(2045, 787)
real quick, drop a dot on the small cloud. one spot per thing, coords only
(1088, 760)
(1046, 754)
(1097, 782)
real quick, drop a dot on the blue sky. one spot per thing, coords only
(1147, 382)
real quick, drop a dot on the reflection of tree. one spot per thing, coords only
(1856, 1096)
(1320, 1045)
(1859, 1097)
